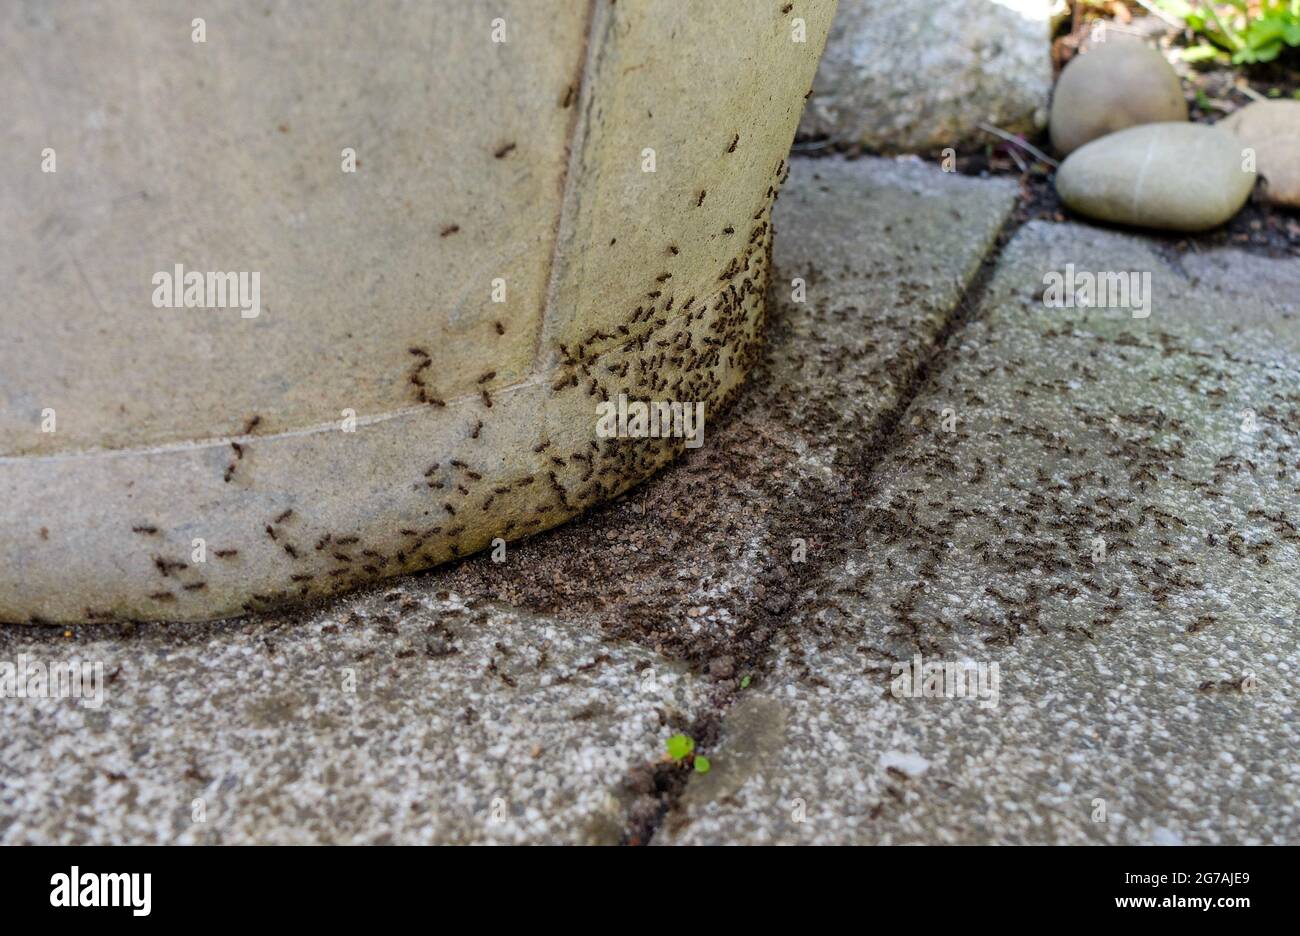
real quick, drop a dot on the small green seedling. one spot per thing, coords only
(744, 682)
(681, 750)
(680, 746)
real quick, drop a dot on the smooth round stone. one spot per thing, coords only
(1272, 129)
(1116, 84)
(1174, 176)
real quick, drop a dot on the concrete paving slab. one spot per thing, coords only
(1105, 509)
(395, 717)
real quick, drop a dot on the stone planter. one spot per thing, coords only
(432, 332)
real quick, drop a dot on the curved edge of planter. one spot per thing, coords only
(225, 526)
(161, 533)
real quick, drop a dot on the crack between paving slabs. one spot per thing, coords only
(842, 527)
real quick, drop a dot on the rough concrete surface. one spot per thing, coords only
(396, 717)
(1152, 683)
(921, 75)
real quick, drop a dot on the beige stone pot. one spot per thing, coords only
(433, 330)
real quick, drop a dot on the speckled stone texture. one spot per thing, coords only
(397, 717)
(1152, 685)
(921, 75)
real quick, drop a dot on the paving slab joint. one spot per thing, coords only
(662, 785)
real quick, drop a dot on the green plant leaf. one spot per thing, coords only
(1177, 8)
(679, 745)
(1251, 32)
(702, 765)
(1233, 38)
(1263, 32)
(744, 682)
(1201, 52)
(1253, 54)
